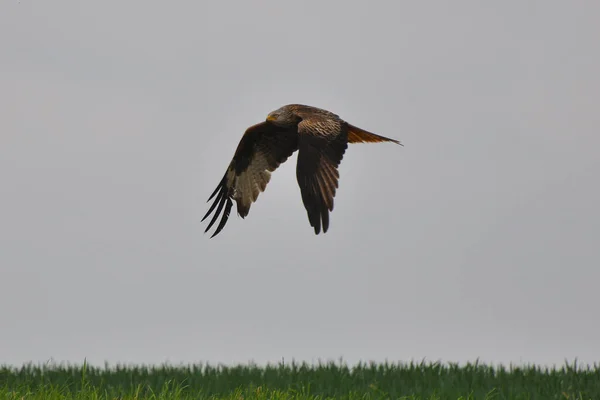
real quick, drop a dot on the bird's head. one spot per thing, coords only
(283, 117)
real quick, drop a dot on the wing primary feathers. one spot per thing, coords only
(222, 198)
(212, 207)
(215, 192)
(318, 210)
(224, 218)
(314, 214)
(325, 216)
(316, 204)
(311, 202)
(220, 187)
(323, 195)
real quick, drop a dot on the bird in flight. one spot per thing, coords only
(321, 138)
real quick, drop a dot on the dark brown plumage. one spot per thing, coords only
(321, 139)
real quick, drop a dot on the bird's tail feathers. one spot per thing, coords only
(357, 135)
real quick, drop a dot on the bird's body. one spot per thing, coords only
(321, 138)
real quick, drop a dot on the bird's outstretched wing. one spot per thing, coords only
(322, 142)
(261, 150)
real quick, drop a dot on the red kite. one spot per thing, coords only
(321, 139)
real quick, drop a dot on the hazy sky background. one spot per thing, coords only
(479, 238)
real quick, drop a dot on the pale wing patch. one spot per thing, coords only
(251, 182)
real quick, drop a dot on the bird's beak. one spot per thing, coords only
(271, 118)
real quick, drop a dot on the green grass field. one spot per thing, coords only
(426, 381)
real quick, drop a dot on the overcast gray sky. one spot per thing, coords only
(479, 238)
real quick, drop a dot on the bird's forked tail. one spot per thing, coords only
(357, 135)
